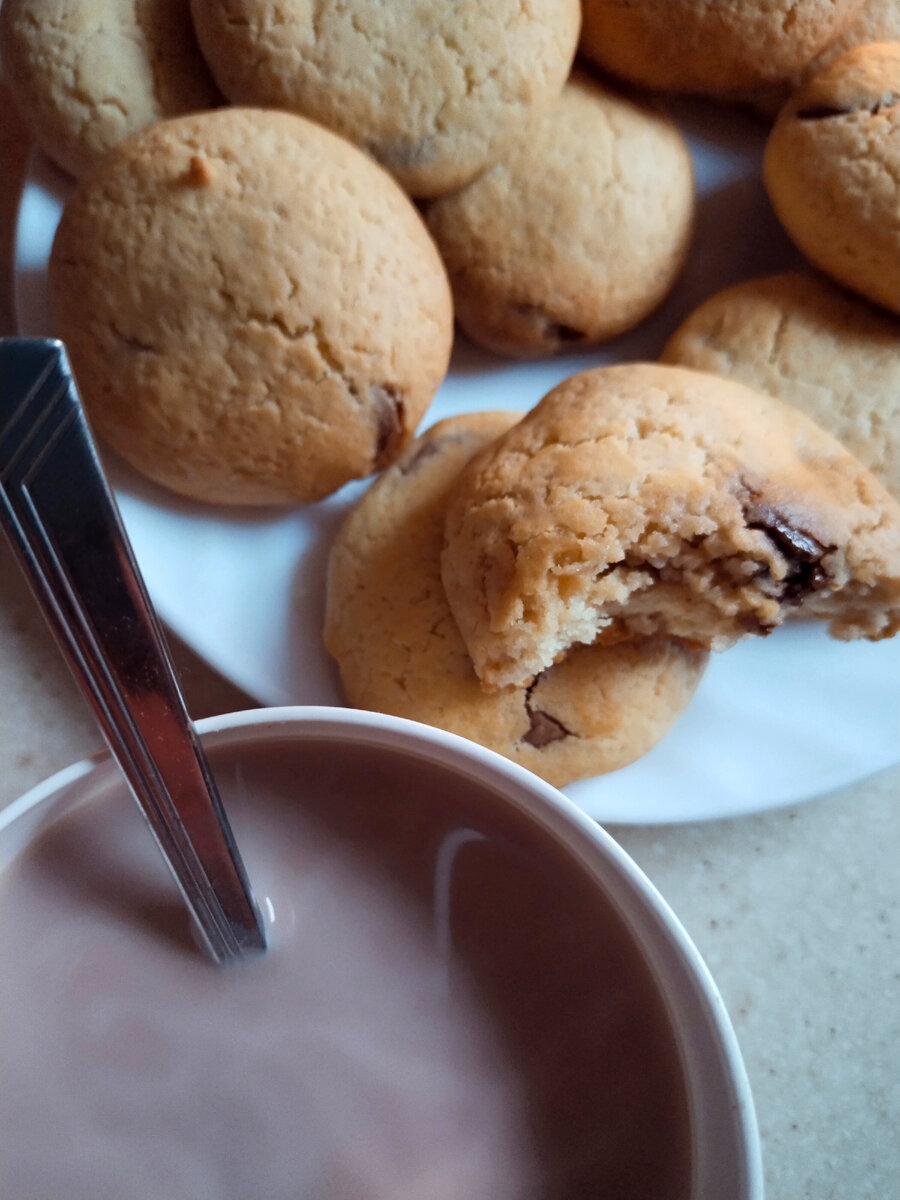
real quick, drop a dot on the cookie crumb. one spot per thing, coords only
(200, 172)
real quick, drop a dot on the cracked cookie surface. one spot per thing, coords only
(876, 21)
(87, 73)
(822, 349)
(577, 233)
(431, 90)
(714, 46)
(832, 171)
(254, 310)
(642, 500)
(389, 626)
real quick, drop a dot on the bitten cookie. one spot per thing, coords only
(577, 233)
(389, 626)
(253, 309)
(831, 169)
(704, 46)
(643, 500)
(431, 91)
(825, 351)
(87, 73)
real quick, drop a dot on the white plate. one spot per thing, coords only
(773, 722)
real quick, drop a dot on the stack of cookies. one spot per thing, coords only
(282, 210)
(551, 586)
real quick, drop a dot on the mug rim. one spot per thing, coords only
(726, 1150)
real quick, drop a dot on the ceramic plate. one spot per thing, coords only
(774, 721)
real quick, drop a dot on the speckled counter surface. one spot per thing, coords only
(797, 911)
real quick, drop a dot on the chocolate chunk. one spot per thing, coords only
(554, 332)
(388, 408)
(803, 552)
(821, 113)
(551, 331)
(824, 112)
(543, 729)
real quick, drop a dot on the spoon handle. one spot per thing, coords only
(64, 526)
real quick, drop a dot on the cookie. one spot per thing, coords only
(876, 21)
(822, 349)
(87, 73)
(642, 500)
(431, 91)
(717, 48)
(389, 627)
(538, 265)
(253, 309)
(831, 168)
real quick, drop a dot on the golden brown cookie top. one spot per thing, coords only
(831, 168)
(577, 233)
(431, 90)
(864, 80)
(798, 336)
(876, 21)
(87, 73)
(253, 308)
(644, 499)
(715, 46)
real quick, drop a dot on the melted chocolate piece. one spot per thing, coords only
(551, 331)
(543, 728)
(825, 112)
(803, 552)
(388, 409)
(555, 332)
(822, 113)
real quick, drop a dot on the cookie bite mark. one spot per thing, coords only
(388, 625)
(621, 507)
(389, 413)
(802, 552)
(543, 729)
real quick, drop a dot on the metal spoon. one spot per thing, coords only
(63, 524)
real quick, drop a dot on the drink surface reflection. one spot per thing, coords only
(449, 1007)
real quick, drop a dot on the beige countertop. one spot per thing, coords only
(796, 911)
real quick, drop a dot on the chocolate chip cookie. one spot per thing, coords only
(642, 500)
(826, 351)
(253, 308)
(389, 626)
(710, 46)
(539, 263)
(432, 91)
(831, 169)
(87, 73)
